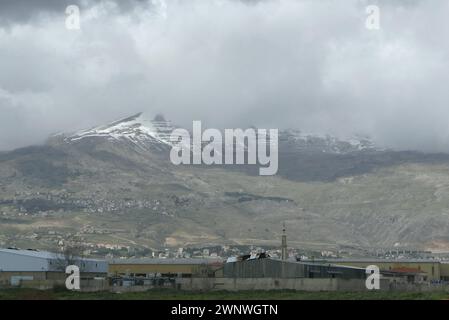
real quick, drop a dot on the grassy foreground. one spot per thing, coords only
(167, 294)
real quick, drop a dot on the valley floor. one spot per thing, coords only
(29, 294)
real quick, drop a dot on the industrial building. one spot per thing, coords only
(40, 269)
(18, 266)
(150, 268)
(444, 271)
(261, 266)
(271, 268)
(428, 270)
(290, 269)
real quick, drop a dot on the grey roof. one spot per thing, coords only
(42, 254)
(331, 265)
(367, 260)
(164, 261)
(31, 253)
(313, 263)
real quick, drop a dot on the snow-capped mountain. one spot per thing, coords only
(333, 187)
(136, 129)
(145, 133)
(311, 142)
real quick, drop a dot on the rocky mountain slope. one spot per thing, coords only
(113, 186)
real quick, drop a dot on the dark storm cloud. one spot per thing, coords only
(306, 64)
(22, 11)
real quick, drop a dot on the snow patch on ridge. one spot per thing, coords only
(135, 129)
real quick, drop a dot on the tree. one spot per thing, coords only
(71, 254)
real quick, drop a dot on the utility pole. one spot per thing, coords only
(284, 254)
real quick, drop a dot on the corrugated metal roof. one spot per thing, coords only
(366, 260)
(164, 261)
(324, 263)
(44, 254)
(408, 270)
(31, 253)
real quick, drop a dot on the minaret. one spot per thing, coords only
(284, 253)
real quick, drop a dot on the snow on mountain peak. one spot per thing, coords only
(145, 133)
(326, 143)
(136, 129)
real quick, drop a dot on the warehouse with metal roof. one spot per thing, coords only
(164, 267)
(17, 266)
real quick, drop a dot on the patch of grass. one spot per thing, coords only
(168, 294)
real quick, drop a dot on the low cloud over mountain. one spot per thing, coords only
(282, 63)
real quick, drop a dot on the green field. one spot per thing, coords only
(29, 294)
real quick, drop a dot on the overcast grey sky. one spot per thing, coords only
(307, 64)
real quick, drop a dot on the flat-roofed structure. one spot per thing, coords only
(148, 268)
(31, 265)
(444, 271)
(430, 270)
(274, 268)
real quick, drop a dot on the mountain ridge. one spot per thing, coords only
(135, 127)
(358, 197)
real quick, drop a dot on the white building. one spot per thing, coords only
(28, 265)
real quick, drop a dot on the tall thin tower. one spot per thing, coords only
(284, 254)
